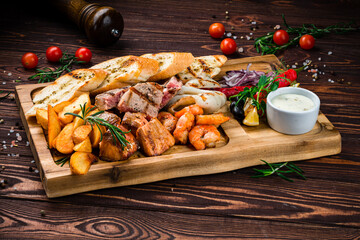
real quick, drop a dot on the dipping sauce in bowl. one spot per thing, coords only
(293, 102)
(292, 110)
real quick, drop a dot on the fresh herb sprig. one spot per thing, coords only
(259, 92)
(3, 97)
(48, 74)
(93, 119)
(62, 161)
(276, 168)
(266, 45)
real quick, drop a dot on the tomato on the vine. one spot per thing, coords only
(29, 60)
(307, 42)
(83, 54)
(53, 54)
(281, 37)
(228, 46)
(216, 30)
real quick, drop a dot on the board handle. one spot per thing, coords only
(103, 25)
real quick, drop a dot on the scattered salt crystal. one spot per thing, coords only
(241, 49)
(305, 68)
(324, 65)
(234, 37)
(11, 130)
(314, 79)
(293, 66)
(329, 80)
(319, 58)
(304, 63)
(4, 146)
(8, 154)
(36, 171)
(19, 138)
(253, 22)
(3, 142)
(32, 161)
(277, 27)
(27, 143)
(307, 60)
(330, 52)
(14, 188)
(251, 34)
(247, 37)
(9, 74)
(323, 73)
(228, 34)
(11, 145)
(8, 134)
(242, 20)
(4, 83)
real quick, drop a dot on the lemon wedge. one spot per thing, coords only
(252, 118)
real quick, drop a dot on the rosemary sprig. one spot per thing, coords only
(3, 97)
(93, 119)
(62, 161)
(48, 74)
(275, 168)
(266, 45)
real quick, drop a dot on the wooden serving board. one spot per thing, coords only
(239, 148)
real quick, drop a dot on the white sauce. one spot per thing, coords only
(292, 102)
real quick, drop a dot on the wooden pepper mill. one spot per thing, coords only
(103, 25)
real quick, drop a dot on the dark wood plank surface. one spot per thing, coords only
(227, 205)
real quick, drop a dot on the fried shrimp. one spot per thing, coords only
(213, 119)
(202, 136)
(183, 126)
(194, 109)
(168, 120)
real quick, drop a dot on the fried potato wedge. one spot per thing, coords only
(95, 135)
(84, 146)
(74, 107)
(54, 127)
(80, 162)
(64, 141)
(81, 133)
(42, 118)
(59, 107)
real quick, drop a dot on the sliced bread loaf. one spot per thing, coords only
(170, 63)
(124, 71)
(205, 67)
(67, 87)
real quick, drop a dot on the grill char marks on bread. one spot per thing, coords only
(205, 67)
(67, 87)
(170, 63)
(125, 71)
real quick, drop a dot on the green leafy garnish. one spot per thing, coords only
(62, 161)
(3, 97)
(275, 168)
(94, 120)
(48, 75)
(266, 45)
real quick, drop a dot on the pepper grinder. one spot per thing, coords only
(103, 25)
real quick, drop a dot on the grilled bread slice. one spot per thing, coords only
(67, 87)
(125, 71)
(205, 67)
(170, 63)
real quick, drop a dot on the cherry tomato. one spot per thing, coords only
(83, 54)
(307, 42)
(29, 60)
(53, 54)
(216, 30)
(228, 46)
(281, 37)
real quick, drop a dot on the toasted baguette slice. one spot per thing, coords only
(67, 87)
(124, 71)
(205, 67)
(170, 63)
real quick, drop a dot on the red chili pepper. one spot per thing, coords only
(231, 91)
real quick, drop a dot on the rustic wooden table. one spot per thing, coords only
(227, 205)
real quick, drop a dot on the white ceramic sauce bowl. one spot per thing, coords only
(289, 122)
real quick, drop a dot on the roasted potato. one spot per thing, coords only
(60, 106)
(84, 146)
(64, 141)
(74, 107)
(54, 127)
(81, 133)
(95, 135)
(42, 118)
(80, 162)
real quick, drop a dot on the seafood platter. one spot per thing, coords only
(140, 119)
